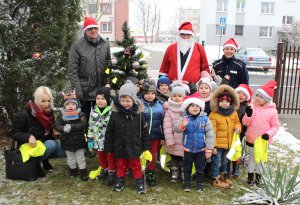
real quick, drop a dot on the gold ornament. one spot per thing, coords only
(114, 81)
(107, 71)
(142, 56)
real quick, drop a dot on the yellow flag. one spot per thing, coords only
(164, 158)
(114, 80)
(235, 151)
(260, 150)
(145, 156)
(107, 71)
(94, 173)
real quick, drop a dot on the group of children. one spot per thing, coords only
(193, 127)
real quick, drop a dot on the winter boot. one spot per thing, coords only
(73, 173)
(174, 174)
(119, 186)
(140, 186)
(111, 177)
(250, 179)
(200, 187)
(187, 186)
(83, 174)
(42, 174)
(224, 178)
(257, 179)
(219, 184)
(151, 178)
(103, 174)
(47, 166)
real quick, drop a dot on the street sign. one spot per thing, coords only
(222, 23)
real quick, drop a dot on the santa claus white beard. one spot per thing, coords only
(185, 44)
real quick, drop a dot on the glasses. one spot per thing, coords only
(90, 29)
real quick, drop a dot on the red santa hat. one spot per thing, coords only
(267, 91)
(246, 90)
(230, 43)
(186, 28)
(186, 103)
(90, 22)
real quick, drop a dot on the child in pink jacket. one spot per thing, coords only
(261, 119)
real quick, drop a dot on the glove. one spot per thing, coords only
(90, 144)
(265, 136)
(249, 111)
(67, 128)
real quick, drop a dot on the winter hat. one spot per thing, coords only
(246, 90)
(186, 28)
(128, 89)
(177, 88)
(149, 85)
(230, 43)
(267, 90)
(90, 22)
(205, 80)
(225, 96)
(186, 103)
(70, 97)
(133, 79)
(163, 80)
(105, 91)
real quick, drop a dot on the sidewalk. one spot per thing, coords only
(292, 123)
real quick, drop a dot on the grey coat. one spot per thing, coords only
(86, 67)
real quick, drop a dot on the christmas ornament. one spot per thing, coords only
(107, 71)
(114, 61)
(142, 56)
(114, 81)
(36, 56)
(135, 65)
(127, 52)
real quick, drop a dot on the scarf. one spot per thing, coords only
(91, 41)
(45, 117)
(124, 111)
(70, 115)
(227, 111)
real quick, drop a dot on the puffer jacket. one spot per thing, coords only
(264, 120)
(86, 67)
(172, 114)
(74, 140)
(154, 116)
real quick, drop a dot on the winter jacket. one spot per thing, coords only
(74, 140)
(97, 126)
(154, 116)
(127, 134)
(264, 120)
(86, 67)
(198, 134)
(172, 114)
(233, 67)
(162, 97)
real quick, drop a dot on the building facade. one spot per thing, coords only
(193, 16)
(253, 23)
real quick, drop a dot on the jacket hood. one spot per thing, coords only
(138, 102)
(214, 105)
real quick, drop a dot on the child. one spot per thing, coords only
(154, 115)
(205, 87)
(261, 119)
(127, 135)
(98, 121)
(137, 84)
(224, 103)
(198, 140)
(71, 123)
(163, 89)
(174, 140)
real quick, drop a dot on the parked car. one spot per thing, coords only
(255, 58)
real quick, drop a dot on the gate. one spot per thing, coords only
(287, 76)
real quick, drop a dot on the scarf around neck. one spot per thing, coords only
(130, 111)
(70, 115)
(45, 117)
(227, 111)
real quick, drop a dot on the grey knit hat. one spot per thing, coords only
(178, 88)
(149, 85)
(128, 89)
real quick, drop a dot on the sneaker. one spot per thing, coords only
(174, 174)
(187, 186)
(103, 174)
(47, 166)
(140, 186)
(119, 186)
(111, 177)
(83, 174)
(151, 178)
(200, 187)
(73, 173)
(250, 179)
(90, 154)
(219, 184)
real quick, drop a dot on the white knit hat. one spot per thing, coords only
(186, 103)
(205, 80)
(178, 88)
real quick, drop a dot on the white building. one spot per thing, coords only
(193, 16)
(253, 23)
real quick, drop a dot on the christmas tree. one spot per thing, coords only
(125, 63)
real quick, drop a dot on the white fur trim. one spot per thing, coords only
(195, 101)
(179, 71)
(245, 91)
(265, 95)
(186, 32)
(91, 26)
(230, 45)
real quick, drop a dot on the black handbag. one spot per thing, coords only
(18, 170)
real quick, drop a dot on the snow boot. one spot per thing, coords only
(174, 174)
(224, 178)
(111, 177)
(47, 166)
(250, 179)
(151, 178)
(140, 186)
(187, 186)
(83, 174)
(119, 186)
(73, 173)
(103, 174)
(219, 184)
(200, 187)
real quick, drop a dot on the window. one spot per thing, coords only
(267, 7)
(266, 31)
(221, 5)
(218, 30)
(239, 30)
(105, 8)
(240, 6)
(287, 20)
(106, 27)
(92, 8)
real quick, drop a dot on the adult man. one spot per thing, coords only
(185, 60)
(88, 58)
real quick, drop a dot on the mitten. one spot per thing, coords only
(90, 144)
(265, 136)
(249, 111)
(67, 128)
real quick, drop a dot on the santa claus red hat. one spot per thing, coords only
(186, 103)
(246, 90)
(267, 91)
(90, 22)
(230, 43)
(186, 28)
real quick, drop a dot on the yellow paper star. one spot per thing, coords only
(142, 56)
(114, 80)
(107, 71)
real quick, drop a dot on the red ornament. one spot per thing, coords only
(127, 51)
(36, 56)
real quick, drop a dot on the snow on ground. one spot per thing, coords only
(286, 138)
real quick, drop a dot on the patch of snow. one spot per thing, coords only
(285, 138)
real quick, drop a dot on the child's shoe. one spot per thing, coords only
(224, 178)
(174, 174)
(119, 186)
(187, 186)
(200, 187)
(83, 174)
(257, 179)
(219, 184)
(151, 178)
(140, 186)
(47, 166)
(111, 177)
(73, 172)
(250, 179)
(103, 174)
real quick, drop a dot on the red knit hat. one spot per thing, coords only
(90, 22)
(267, 90)
(230, 43)
(246, 90)
(186, 28)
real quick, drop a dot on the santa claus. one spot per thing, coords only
(185, 60)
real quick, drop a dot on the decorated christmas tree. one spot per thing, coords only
(126, 63)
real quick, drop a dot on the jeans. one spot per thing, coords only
(199, 160)
(235, 168)
(53, 150)
(217, 160)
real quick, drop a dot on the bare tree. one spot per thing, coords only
(293, 33)
(155, 22)
(92, 7)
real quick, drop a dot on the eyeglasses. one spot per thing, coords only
(90, 29)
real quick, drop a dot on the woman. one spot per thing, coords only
(36, 123)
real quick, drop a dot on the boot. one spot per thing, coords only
(174, 174)
(83, 174)
(224, 178)
(250, 179)
(187, 186)
(200, 187)
(119, 186)
(47, 166)
(73, 173)
(257, 179)
(219, 184)
(111, 177)
(103, 174)
(140, 186)
(42, 174)
(151, 178)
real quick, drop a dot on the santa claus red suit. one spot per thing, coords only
(189, 66)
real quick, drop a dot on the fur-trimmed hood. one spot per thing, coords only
(214, 105)
(137, 101)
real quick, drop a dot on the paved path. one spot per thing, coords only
(292, 123)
